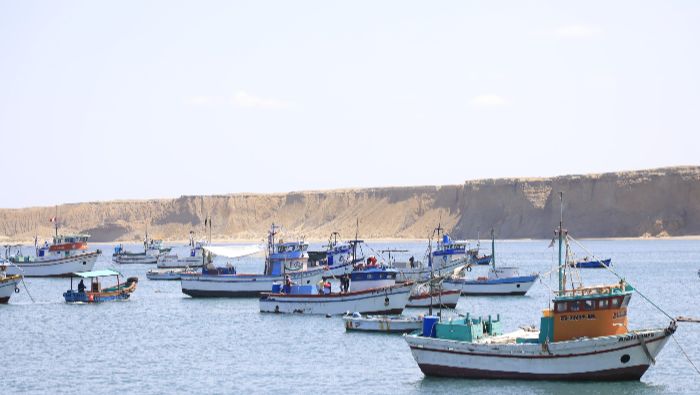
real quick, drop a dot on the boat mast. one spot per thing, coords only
(561, 221)
(493, 250)
(55, 222)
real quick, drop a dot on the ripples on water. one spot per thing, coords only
(163, 341)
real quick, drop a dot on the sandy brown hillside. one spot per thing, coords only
(628, 204)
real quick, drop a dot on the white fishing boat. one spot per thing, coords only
(167, 274)
(382, 323)
(498, 281)
(448, 255)
(195, 258)
(152, 250)
(338, 257)
(66, 255)
(282, 260)
(585, 336)
(305, 299)
(9, 284)
(123, 257)
(423, 296)
(371, 275)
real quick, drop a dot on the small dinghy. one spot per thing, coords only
(588, 263)
(97, 294)
(382, 323)
(423, 296)
(168, 274)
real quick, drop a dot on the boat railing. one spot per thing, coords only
(594, 290)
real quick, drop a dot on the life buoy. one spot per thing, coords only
(91, 298)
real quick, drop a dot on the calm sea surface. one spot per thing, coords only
(162, 341)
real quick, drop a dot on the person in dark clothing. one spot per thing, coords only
(81, 286)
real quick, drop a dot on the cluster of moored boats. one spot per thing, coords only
(583, 333)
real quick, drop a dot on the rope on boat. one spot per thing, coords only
(685, 354)
(21, 275)
(673, 320)
(622, 278)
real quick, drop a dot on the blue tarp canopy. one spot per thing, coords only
(98, 273)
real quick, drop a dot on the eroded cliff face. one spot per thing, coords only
(629, 204)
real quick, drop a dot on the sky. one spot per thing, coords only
(103, 100)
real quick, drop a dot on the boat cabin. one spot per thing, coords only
(65, 244)
(587, 312)
(447, 246)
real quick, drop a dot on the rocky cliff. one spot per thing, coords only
(655, 202)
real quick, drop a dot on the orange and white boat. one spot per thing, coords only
(584, 335)
(67, 254)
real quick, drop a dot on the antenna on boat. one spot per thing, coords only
(561, 229)
(493, 249)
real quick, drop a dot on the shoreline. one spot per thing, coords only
(384, 240)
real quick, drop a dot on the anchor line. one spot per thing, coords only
(673, 320)
(21, 275)
(685, 354)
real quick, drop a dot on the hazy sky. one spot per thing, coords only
(141, 99)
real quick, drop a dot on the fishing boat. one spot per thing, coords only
(152, 250)
(338, 257)
(588, 263)
(8, 283)
(283, 259)
(583, 335)
(448, 255)
(306, 299)
(475, 258)
(66, 255)
(371, 275)
(95, 293)
(167, 274)
(435, 295)
(498, 281)
(195, 258)
(382, 323)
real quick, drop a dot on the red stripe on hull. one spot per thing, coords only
(631, 373)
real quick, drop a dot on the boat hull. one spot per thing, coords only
(424, 273)
(7, 288)
(386, 325)
(448, 299)
(62, 267)
(389, 300)
(180, 263)
(164, 275)
(506, 286)
(141, 259)
(111, 294)
(239, 285)
(593, 264)
(610, 358)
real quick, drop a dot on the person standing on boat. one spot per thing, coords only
(81, 286)
(287, 284)
(3, 275)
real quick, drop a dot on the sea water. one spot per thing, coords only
(162, 341)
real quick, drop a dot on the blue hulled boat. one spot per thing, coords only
(587, 263)
(95, 293)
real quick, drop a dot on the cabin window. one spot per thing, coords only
(573, 306)
(588, 304)
(615, 302)
(626, 301)
(603, 303)
(560, 306)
